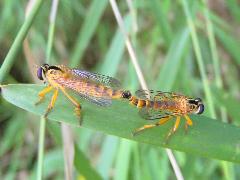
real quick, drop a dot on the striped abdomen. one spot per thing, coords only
(141, 103)
(102, 91)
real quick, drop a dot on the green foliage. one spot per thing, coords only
(87, 30)
(83, 166)
(121, 119)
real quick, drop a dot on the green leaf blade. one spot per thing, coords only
(207, 137)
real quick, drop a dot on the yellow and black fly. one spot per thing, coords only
(100, 90)
(96, 88)
(164, 106)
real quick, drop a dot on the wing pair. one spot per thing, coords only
(79, 78)
(151, 113)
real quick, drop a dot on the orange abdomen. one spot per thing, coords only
(89, 88)
(141, 103)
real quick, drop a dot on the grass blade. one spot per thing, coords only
(173, 60)
(203, 137)
(9, 60)
(89, 25)
(230, 43)
(84, 167)
(115, 52)
(123, 160)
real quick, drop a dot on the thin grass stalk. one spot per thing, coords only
(199, 58)
(10, 58)
(51, 30)
(43, 120)
(142, 81)
(42, 130)
(226, 166)
(133, 13)
(213, 46)
(68, 150)
(89, 25)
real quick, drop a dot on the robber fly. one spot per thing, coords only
(96, 88)
(164, 106)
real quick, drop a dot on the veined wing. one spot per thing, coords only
(100, 101)
(90, 92)
(97, 78)
(153, 114)
(145, 94)
(156, 95)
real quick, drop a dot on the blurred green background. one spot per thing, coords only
(185, 46)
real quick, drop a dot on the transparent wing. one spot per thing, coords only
(151, 113)
(97, 78)
(96, 100)
(92, 94)
(145, 94)
(160, 96)
(156, 95)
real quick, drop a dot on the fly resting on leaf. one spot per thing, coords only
(164, 106)
(96, 88)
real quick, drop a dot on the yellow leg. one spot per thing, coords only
(175, 127)
(148, 126)
(42, 94)
(51, 105)
(188, 122)
(76, 104)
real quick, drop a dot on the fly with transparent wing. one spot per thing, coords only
(164, 106)
(96, 88)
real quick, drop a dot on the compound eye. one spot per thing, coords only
(200, 109)
(40, 73)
